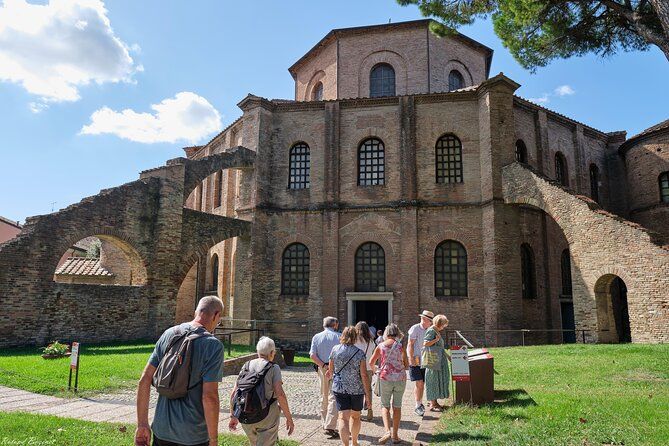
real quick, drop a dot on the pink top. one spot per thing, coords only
(391, 364)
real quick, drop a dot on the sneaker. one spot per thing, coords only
(420, 410)
(332, 433)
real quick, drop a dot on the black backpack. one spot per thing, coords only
(249, 403)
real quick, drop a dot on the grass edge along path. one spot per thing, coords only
(104, 367)
(565, 395)
(20, 428)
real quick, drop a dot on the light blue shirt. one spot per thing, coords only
(323, 343)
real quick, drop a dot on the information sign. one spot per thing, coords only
(460, 363)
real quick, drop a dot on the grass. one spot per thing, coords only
(18, 428)
(103, 368)
(569, 395)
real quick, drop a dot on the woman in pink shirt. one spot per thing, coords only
(392, 379)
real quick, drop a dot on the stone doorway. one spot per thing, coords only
(375, 308)
(612, 309)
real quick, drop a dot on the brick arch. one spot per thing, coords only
(455, 64)
(315, 79)
(196, 171)
(601, 244)
(393, 59)
(314, 251)
(364, 237)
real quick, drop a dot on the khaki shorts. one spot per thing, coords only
(394, 390)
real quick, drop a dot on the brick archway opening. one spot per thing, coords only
(613, 320)
(101, 259)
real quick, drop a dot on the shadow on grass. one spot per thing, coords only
(512, 398)
(446, 437)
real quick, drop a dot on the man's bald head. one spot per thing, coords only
(209, 305)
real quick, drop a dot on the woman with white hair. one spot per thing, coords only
(437, 373)
(266, 431)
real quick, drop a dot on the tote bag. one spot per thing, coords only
(431, 357)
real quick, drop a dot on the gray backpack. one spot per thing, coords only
(173, 373)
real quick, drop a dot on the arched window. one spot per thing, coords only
(299, 166)
(370, 268)
(561, 174)
(521, 152)
(449, 159)
(565, 263)
(295, 270)
(594, 182)
(214, 272)
(317, 92)
(664, 187)
(455, 80)
(217, 188)
(382, 81)
(371, 163)
(527, 271)
(450, 269)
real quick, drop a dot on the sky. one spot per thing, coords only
(93, 92)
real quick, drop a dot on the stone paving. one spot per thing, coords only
(300, 384)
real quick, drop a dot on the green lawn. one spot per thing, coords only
(582, 395)
(27, 429)
(103, 367)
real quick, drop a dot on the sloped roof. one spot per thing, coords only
(82, 266)
(16, 224)
(661, 127)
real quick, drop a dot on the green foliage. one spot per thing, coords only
(103, 367)
(569, 395)
(94, 249)
(55, 348)
(25, 428)
(539, 31)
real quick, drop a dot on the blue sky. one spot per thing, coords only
(141, 53)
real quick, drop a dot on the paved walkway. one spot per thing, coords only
(300, 383)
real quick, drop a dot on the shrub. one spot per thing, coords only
(55, 348)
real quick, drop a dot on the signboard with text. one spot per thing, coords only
(74, 357)
(460, 363)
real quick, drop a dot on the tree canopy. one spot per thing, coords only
(538, 31)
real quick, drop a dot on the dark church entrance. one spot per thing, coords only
(374, 312)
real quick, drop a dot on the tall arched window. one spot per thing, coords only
(299, 166)
(565, 263)
(450, 269)
(521, 152)
(295, 270)
(594, 182)
(371, 163)
(664, 187)
(382, 81)
(370, 268)
(561, 173)
(455, 80)
(528, 271)
(317, 92)
(448, 160)
(214, 272)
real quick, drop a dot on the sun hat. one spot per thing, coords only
(427, 314)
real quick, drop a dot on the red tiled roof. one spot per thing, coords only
(82, 266)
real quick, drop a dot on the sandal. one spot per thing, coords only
(385, 438)
(437, 409)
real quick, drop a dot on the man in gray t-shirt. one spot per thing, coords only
(193, 419)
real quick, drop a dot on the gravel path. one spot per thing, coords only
(300, 383)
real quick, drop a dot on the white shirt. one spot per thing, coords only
(417, 333)
(362, 345)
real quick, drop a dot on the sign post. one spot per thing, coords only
(460, 363)
(74, 365)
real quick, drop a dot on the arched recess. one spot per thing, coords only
(106, 259)
(389, 57)
(317, 78)
(455, 64)
(613, 322)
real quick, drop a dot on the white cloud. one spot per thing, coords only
(185, 117)
(564, 90)
(53, 49)
(544, 99)
(37, 107)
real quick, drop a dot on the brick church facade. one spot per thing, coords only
(402, 177)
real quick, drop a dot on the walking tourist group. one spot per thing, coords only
(353, 366)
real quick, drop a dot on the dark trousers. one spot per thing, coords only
(158, 442)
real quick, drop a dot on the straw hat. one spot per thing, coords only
(427, 314)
